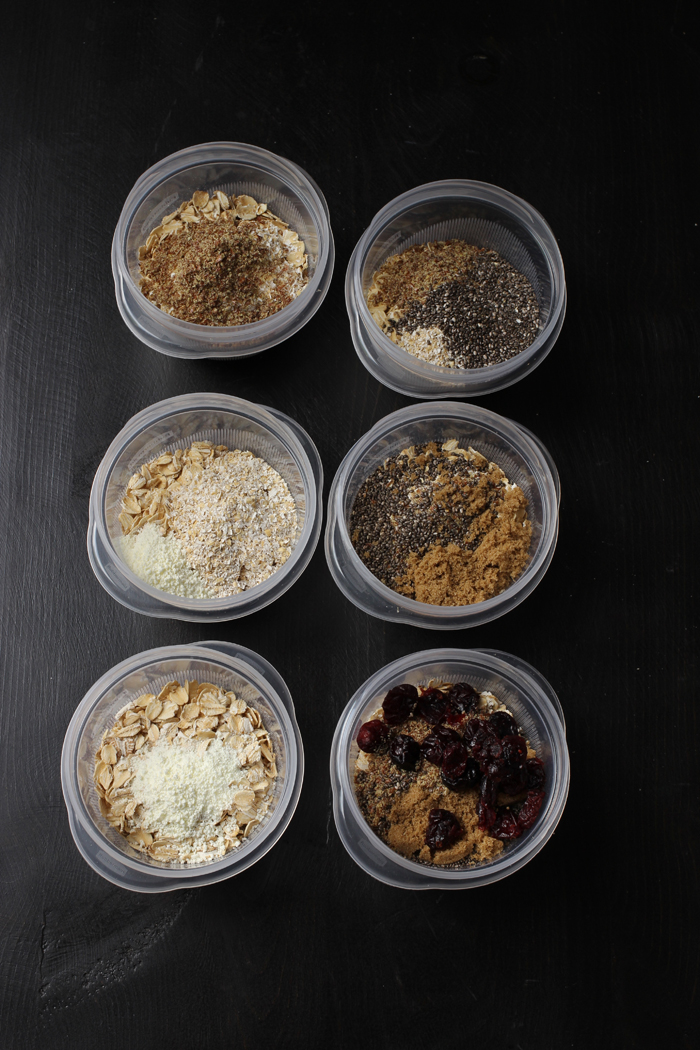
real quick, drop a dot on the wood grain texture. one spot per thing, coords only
(595, 941)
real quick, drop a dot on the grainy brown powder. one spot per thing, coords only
(220, 261)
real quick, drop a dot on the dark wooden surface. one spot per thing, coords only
(595, 942)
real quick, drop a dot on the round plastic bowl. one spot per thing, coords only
(483, 215)
(176, 423)
(230, 666)
(234, 168)
(536, 710)
(525, 462)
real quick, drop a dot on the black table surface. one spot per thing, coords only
(591, 120)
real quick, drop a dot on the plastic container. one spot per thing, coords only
(525, 462)
(536, 710)
(234, 168)
(225, 664)
(480, 214)
(176, 423)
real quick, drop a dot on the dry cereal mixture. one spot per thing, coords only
(444, 776)
(186, 775)
(207, 521)
(453, 304)
(442, 525)
(222, 261)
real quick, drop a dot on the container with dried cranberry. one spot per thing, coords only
(449, 769)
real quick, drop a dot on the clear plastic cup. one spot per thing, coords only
(536, 710)
(176, 423)
(525, 462)
(235, 168)
(480, 214)
(233, 667)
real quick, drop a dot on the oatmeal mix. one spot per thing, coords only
(444, 776)
(207, 521)
(222, 261)
(185, 776)
(442, 525)
(453, 304)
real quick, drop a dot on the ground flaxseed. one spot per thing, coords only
(453, 304)
(222, 261)
(442, 525)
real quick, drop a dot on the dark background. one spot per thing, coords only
(591, 119)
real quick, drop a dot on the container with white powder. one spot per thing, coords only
(204, 784)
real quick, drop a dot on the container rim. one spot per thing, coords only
(278, 428)
(287, 171)
(543, 470)
(459, 189)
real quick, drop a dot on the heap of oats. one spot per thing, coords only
(231, 512)
(186, 775)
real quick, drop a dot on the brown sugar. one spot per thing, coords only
(453, 576)
(409, 822)
(442, 525)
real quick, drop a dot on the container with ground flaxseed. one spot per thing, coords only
(456, 288)
(412, 468)
(221, 250)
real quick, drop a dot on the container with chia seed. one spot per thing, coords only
(516, 275)
(523, 459)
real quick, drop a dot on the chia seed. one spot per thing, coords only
(455, 305)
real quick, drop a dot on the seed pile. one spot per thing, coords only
(453, 304)
(186, 775)
(222, 261)
(230, 512)
(442, 525)
(443, 775)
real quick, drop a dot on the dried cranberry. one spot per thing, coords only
(435, 743)
(503, 724)
(486, 806)
(486, 749)
(404, 751)
(506, 825)
(399, 703)
(534, 767)
(530, 809)
(454, 759)
(432, 706)
(472, 774)
(372, 735)
(474, 730)
(463, 699)
(513, 780)
(514, 750)
(443, 829)
(467, 777)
